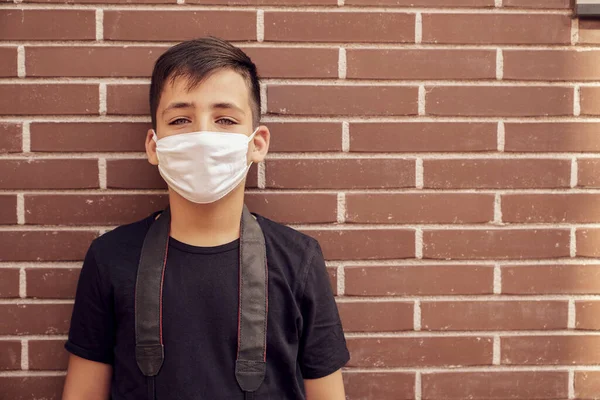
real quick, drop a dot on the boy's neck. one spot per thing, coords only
(207, 225)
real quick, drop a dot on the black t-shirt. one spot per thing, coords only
(305, 339)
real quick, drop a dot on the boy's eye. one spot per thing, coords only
(178, 121)
(226, 121)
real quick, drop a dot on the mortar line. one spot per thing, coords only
(21, 71)
(99, 25)
(20, 209)
(418, 28)
(260, 25)
(24, 354)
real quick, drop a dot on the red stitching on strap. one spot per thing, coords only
(239, 299)
(267, 305)
(162, 280)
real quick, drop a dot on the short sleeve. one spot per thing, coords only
(92, 331)
(323, 347)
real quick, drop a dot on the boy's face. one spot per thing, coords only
(220, 103)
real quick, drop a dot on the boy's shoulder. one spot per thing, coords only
(128, 236)
(280, 237)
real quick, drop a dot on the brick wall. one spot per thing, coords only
(444, 152)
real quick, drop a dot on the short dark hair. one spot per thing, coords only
(196, 60)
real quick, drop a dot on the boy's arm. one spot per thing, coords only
(91, 335)
(87, 379)
(330, 387)
(323, 351)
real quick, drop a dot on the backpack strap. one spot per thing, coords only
(251, 363)
(149, 349)
(250, 366)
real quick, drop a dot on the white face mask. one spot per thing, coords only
(203, 167)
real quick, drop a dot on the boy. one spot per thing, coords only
(190, 319)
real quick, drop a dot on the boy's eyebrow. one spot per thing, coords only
(228, 106)
(180, 104)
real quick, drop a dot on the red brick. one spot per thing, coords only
(9, 283)
(419, 351)
(133, 174)
(8, 209)
(342, 100)
(49, 99)
(91, 61)
(414, 280)
(496, 385)
(182, 25)
(90, 209)
(52, 283)
(340, 173)
(587, 384)
(32, 387)
(49, 174)
(588, 242)
(587, 315)
(497, 173)
(421, 64)
(140, 174)
(589, 32)
(551, 208)
(365, 244)
(588, 174)
(127, 99)
(493, 315)
(294, 62)
(47, 355)
(389, 316)
(305, 136)
(103, 1)
(499, 101)
(390, 27)
(379, 385)
(422, 3)
(10, 355)
(497, 28)
(132, 61)
(252, 177)
(88, 137)
(551, 65)
(291, 208)
(48, 25)
(267, 2)
(10, 137)
(551, 279)
(560, 4)
(50, 245)
(550, 350)
(502, 244)
(8, 55)
(35, 319)
(552, 137)
(422, 137)
(451, 208)
(590, 105)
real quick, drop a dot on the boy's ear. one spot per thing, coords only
(260, 145)
(151, 148)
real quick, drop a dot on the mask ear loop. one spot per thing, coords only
(249, 140)
(155, 138)
(253, 134)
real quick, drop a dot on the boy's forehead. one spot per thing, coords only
(223, 86)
